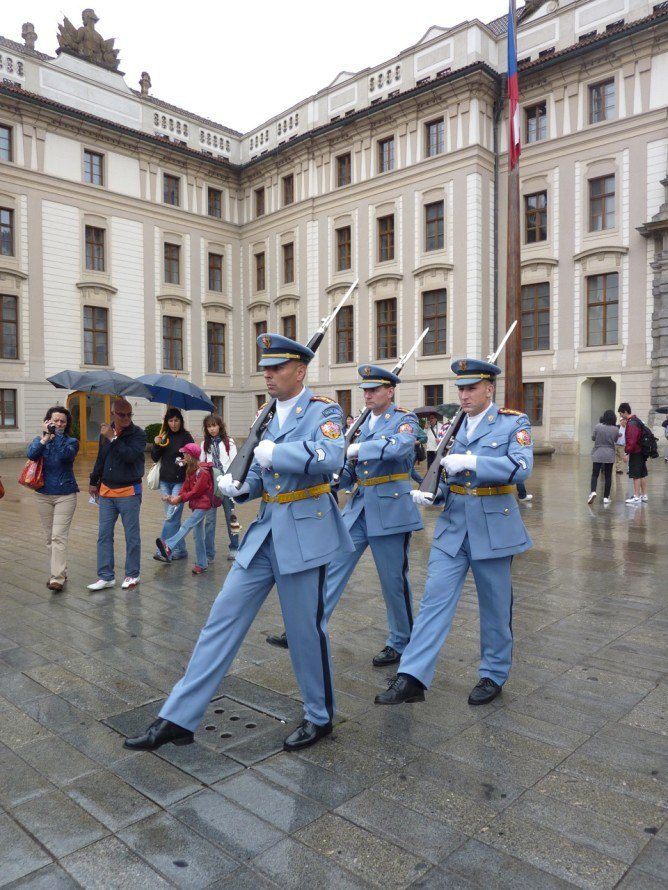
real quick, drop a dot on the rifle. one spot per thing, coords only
(244, 458)
(350, 435)
(429, 484)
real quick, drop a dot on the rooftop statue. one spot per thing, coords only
(86, 43)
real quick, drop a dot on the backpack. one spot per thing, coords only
(649, 444)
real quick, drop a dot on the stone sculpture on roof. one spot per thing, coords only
(86, 43)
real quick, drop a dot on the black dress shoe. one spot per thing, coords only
(280, 640)
(160, 732)
(484, 691)
(403, 688)
(387, 656)
(306, 734)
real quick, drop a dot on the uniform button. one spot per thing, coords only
(275, 475)
(469, 452)
(396, 494)
(506, 510)
(468, 484)
(468, 473)
(366, 462)
(277, 487)
(319, 513)
(366, 472)
(494, 444)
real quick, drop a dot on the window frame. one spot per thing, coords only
(344, 165)
(386, 246)
(597, 115)
(3, 410)
(344, 336)
(173, 262)
(387, 351)
(536, 386)
(9, 158)
(432, 342)
(260, 327)
(168, 337)
(215, 347)
(260, 271)
(534, 313)
(386, 154)
(94, 250)
(288, 264)
(535, 218)
(218, 404)
(89, 173)
(9, 323)
(215, 266)
(434, 147)
(288, 189)
(97, 332)
(344, 399)
(7, 231)
(540, 122)
(171, 188)
(602, 199)
(439, 222)
(289, 326)
(437, 394)
(216, 203)
(344, 248)
(605, 303)
(260, 202)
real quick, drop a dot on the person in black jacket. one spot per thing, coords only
(116, 483)
(166, 449)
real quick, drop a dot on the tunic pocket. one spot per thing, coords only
(504, 523)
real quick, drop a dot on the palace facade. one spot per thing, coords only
(138, 236)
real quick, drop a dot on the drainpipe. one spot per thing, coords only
(498, 111)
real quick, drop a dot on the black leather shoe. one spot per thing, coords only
(306, 734)
(160, 732)
(402, 688)
(484, 691)
(280, 640)
(387, 656)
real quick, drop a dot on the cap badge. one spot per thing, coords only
(463, 364)
(266, 341)
(366, 370)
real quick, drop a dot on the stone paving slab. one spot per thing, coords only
(562, 781)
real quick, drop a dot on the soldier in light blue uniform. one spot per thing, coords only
(480, 528)
(297, 532)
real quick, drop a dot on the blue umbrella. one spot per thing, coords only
(102, 381)
(177, 392)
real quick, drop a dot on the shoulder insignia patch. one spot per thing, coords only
(331, 411)
(324, 399)
(511, 411)
(330, 430)
(403, 410)
(406, 428)
(523, 437)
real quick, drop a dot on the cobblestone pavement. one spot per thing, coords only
(561, 781)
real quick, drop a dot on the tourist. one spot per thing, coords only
(57, 498)
(219, 450)
(619, 447)
(166, 449)
(605, 436)
(434, 430)
(636, 460)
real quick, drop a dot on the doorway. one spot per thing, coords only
(89, 411)
(596, 394)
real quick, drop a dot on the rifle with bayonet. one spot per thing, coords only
(244, 458)
(429, 484)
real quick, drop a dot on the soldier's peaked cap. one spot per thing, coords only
(373, 376)
(468, 371)
(277, 349)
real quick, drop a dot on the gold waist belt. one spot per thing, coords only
(378, 480)
(483, 492)
(289, 496)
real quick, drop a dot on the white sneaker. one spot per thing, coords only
(130, 582)
(591, 497)
(633, 500)
(644, 498)
(606, 501)
(528, 497)
(101, 584)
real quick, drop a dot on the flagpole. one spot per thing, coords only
(514, 395)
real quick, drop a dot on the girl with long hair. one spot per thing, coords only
(219, 450)
(166, 449)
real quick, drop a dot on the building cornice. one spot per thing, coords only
(619, 249)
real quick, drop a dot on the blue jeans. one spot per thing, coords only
(210, 529)
(172, 521)
(194, 522)
(110, 510)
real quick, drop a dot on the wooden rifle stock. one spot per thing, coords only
(429, 484)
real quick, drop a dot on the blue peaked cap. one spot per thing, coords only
(277, 349)
(468, 371)
(373, 376)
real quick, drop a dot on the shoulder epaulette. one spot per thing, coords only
(324, 399)
(511, 411)
(403, 410)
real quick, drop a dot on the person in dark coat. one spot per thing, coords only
(604, 437)
(166, 449)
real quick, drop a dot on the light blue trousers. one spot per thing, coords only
(302, 598)
(445, 579)
(194, 522)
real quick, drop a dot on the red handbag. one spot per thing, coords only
(2, 489)
(33, 474)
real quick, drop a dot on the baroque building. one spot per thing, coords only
(138, 236)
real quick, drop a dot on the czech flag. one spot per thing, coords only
(514, 146)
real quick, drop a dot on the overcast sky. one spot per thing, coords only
(242, 62)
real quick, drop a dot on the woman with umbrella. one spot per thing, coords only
(166, 448)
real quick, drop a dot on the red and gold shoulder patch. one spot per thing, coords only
(330, 430)
(523, 437)
(510, 411)
(402, 410)
(406, 428)
(324, 399)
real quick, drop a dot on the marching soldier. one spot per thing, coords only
(296, 534)
(480, 528)
(380, 514)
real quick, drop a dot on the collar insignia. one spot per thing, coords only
(298, 409)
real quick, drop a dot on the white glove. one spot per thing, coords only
(422, 498)
(263, 453)
(353, 450)
(456, 463)
(231, 489)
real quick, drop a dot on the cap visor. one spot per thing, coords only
(470, 381)
(365, 385)
(268, 361)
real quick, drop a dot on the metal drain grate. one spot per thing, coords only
(227, 724)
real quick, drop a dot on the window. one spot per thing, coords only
(93, 168)
(260, 328)
(5, 143)
(536, 120)
(433, 394)
(386, 327)
(602, 309)
(218, 405)
(288, 190)
(343, 251)
(288, 263)
(435, 138)
(94, 249)
(8, 408)
(6, 232)
(602, 203)
(289, 324)
(535, 316)
(434, 316)
(9, 327)
(260, 401)
(215, 343)
(343, 170)
(172, 254)
(344, 398)
(601, 101)
(344, 335)
(386, 238)
(535, 217)
(170, 189)
(533, 402)
(216, 272)
(172, 343)
(259, 271)
(96, 335)
(259, 202)
(386, 155)
(434, 226)
(215, 203)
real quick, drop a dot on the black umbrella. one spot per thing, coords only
(661, 410)
(425, 410)
(105, 382)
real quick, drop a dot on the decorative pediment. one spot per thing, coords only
(340, 287)
(287, 301)
(432, 273)
(11, 278)
(99, 292)
(173, 300)
(211, 306)
(605, 256)
(540, 265)
(383, 279)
